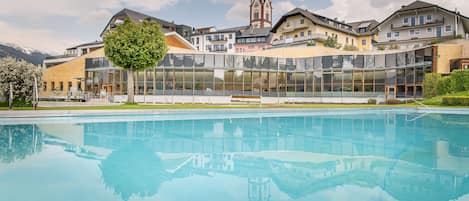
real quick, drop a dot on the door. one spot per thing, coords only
(438, 32)
(412, 21)
(390, 92)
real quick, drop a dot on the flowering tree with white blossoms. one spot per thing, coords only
(21, 75)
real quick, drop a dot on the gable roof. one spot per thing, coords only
(416, 5)
(137, 17)
(254, 32)
(316, 19)
(369, 24)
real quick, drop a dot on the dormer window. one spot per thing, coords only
(406, 20)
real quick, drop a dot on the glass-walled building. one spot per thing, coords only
(398, 75)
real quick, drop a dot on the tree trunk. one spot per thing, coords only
(130, 85)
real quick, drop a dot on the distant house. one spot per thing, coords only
(300, 27)
(253, 39)
(72, 53)
(212, 40)
(418, 24)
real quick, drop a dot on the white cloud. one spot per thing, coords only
(41, 39)
(82, 12)
(150, 5)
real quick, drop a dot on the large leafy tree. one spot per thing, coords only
(21, 75)
(135, 46)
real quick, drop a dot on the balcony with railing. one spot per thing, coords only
(294, 27)
(435, 22)
(316, 37)
(220, 40)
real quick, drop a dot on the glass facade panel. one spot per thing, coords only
(227, 75)
(209, 61)
(348, 62)
(369, 61)
(317, 63)
(380, 61)
(390, 60)
(219, 61)
(401, 59)
(199, 60)
(337, 61)
(327, 62)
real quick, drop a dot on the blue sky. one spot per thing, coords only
(53, 25)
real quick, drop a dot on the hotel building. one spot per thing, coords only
(277, 75)
(300, 27)
(419, 24)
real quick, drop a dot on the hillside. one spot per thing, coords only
(29, 55)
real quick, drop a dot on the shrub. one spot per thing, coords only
(444, 86)
(350, 48)
(456, 100)
(393, 102)
(430, 85)
(332, 43)
(460, 80)
(394, 47)
(381, 48)
(372, 101)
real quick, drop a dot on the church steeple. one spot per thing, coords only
(261, 13)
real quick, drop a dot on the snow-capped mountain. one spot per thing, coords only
(30, 55)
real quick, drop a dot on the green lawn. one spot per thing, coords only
(436, 101)
(203, 106)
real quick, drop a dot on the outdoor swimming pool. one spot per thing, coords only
(252, 156)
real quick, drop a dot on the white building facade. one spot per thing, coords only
(419, 24)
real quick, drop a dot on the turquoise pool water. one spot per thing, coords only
(247, 156)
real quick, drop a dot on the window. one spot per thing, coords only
(267, 16)
(422, 20)
(281, 37)
(448, 28)
(69, 86)
(429, 30)
(396, 34)
(44, 86)
(388, 35)
(79, 85)
(364, 42)
(230, 46)
(302, 21)
(197, 40)
(209, 38)
(353, 41)
(327, 34)
(414, 32)
(256, 15)
(52, 86)
(61, 86)
(346, 40)
(310, 33)
(288, 24)
(429, 17)
(302, 34)
(406, 20)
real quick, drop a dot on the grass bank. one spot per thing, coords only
(437, 101)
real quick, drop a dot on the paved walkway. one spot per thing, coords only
(74, 104)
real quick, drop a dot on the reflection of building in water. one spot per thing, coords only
(406, 158)
(219, 162)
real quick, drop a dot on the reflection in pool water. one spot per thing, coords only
(382, 156)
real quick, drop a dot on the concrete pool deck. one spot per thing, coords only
(76, 113)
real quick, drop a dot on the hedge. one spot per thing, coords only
(456, 100)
